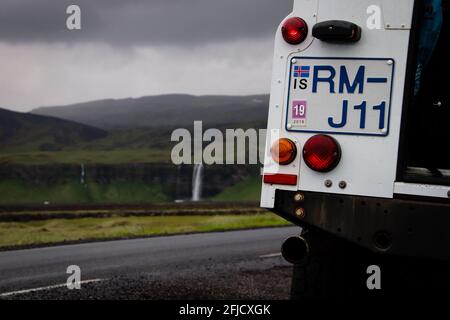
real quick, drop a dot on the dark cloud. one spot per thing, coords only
(140, 22)
(125, 48)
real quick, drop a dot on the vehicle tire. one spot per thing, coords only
(327, 271)
(337, 268)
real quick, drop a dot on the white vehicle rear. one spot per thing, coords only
(337, 152)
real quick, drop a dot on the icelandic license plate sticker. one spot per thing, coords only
(299, 112)
(340, 95)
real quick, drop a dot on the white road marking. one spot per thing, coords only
(12, 293)
(271, 255)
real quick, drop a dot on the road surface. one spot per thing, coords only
(182, 261)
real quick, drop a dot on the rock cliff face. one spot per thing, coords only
(174, 181)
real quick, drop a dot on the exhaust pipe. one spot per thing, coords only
(295, 249)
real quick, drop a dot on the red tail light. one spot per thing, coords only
(321, 153)
(279, 178)
(294, 30)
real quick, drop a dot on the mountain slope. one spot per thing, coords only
(29, 132)
(163, 111)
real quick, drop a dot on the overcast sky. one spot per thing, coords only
(134, 48)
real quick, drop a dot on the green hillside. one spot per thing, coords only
(174, 110)
(24, 132)
(28, 138)
(138, 132)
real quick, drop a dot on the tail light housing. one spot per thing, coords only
(294, 30)
(283, 151)
(321, 153)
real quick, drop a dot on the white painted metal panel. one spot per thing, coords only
(397, 14)
(368, 163)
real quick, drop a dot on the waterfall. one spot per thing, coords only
(178, 185)
(82, 174)
(197, 182)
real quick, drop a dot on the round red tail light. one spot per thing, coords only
(294, 30)
(321, 153)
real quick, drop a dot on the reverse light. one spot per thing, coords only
(294, 30)
(283, 151)
(321, 153)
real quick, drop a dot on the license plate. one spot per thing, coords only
(340, 95)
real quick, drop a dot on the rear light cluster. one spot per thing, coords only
(283, 152)
(294, 30)
(321, 153)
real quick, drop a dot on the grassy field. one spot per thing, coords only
(72, 192)
(61, 230)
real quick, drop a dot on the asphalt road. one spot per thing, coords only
(196, 257)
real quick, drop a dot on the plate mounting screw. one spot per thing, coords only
(390, 62)
(342, 184)
(289, 126)
(294, 61)
(328, 183)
